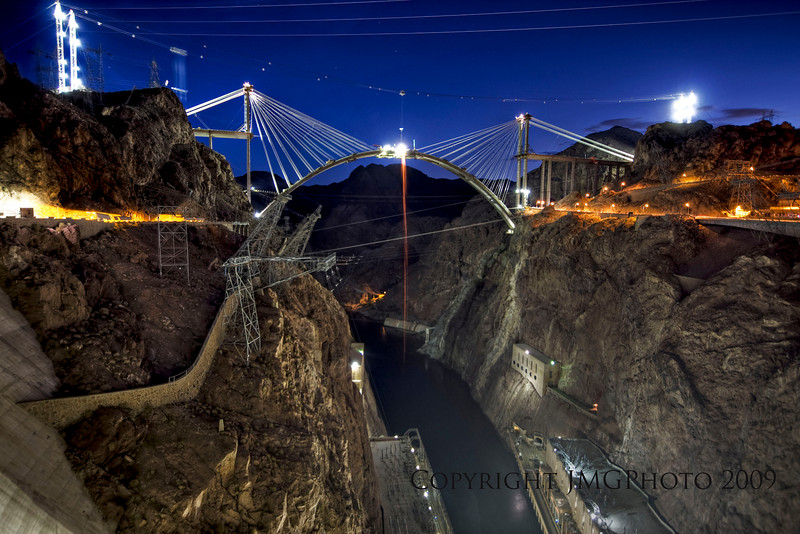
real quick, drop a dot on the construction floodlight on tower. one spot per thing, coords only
(74, 44)
(62, 62)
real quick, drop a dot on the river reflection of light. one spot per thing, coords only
(519, 504)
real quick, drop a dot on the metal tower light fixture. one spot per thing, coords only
(62, 63)
(74, 43)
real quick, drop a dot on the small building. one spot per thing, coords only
(540, 370)
(357, 365)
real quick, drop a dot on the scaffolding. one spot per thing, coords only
(173, 243)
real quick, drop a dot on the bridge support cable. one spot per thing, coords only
(296, 142)
(487, 154)
(263, 133)
(214, 102)
(626, 156)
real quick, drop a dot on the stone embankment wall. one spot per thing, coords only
(61, 412)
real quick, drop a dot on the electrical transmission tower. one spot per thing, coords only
(253, 266)
(296, 244)
(740, 175)
(45, 68)
(257, 243)
(95, 78)
(154, 79)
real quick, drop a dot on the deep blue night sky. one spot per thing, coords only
(582, 69)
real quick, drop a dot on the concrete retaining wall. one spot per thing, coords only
(38, 490)
(62, 412)
(26, 373)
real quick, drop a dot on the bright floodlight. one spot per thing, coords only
(684, 108)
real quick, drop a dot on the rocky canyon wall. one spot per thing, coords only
(700, 381)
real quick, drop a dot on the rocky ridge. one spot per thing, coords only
(668, 149)
(117, 152)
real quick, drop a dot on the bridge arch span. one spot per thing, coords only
(462, 173)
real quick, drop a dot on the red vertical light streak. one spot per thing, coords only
(405, 253)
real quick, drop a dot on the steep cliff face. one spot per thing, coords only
(293, 455)
(99, 308)
(109, 152)
(685, 382)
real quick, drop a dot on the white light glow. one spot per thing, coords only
(684, 108)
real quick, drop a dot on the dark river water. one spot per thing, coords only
(417, 392)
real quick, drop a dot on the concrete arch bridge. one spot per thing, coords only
(492, 160)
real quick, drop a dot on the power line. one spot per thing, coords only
(46, 27)
(388, 216)
(484, 30)
(409, 237)
(253, 6)
(137, 33)
(421, 17)
(48, 8)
